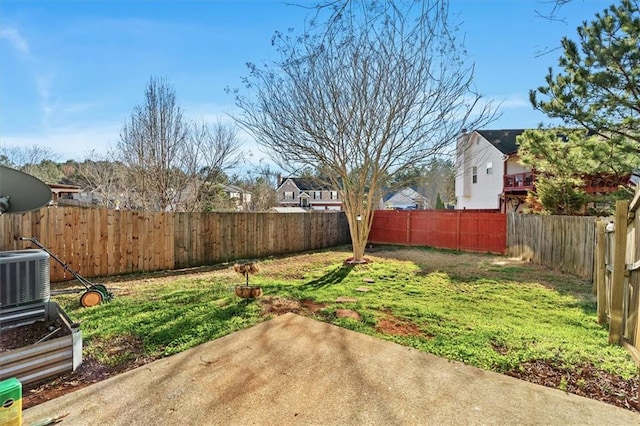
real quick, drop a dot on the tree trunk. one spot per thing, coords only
(359, 227)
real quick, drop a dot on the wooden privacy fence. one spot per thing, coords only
(464, 230)
(100, 242)
(617, 278)
(565, 243)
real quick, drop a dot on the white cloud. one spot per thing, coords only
(17, 41)
(516, 100)
(42, 79)
(43, 86)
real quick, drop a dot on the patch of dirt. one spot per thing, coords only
(90, 371)
(350, 261)
(348, 313)
(584, 380)
(18, 337)
(281, 305)
(398, 327)
(500, 348)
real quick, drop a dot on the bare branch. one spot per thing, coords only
(378, 87)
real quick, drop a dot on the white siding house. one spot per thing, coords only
(488, 172)
(479, 170)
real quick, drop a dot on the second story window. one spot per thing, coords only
(474, 175)
(288, 195)
(490, 168)
(317, 195)
(334, 195)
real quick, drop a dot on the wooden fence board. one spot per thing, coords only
(100, 242)
(566, 243)
(621, 299)
(616, 329)
(600, 271)
(457, 229)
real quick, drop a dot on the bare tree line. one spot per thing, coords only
(161, 161)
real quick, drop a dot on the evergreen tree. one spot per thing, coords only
(598, 89)
(562, 159)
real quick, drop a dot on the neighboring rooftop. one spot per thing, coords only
(504, 140)
(307, 184)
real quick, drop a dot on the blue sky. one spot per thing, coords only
(71, 72)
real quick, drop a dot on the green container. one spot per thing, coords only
(11, 402)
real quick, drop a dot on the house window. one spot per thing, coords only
(334, 195)
(288, 195)
(475, 175)
(490, 168)
(317, 195)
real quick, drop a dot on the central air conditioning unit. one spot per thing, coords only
(24, 286)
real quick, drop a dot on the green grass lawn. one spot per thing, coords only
(487, 311)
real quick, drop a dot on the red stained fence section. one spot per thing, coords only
(465, 230)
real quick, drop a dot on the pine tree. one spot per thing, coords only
(598, 87)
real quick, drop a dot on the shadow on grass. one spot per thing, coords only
(334, 276)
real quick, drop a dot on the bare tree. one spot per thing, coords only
(20, 156)
(551, 10)
(261, 181)
(36, 160)
(215, 149)
(172, 163)
(372, 89)
(105, 179)
(153, 145)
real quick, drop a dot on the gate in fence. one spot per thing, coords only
(618, 275)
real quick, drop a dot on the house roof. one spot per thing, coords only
(504, 140)
(233, 188)
(406, 193)
(400, 199)
(59, 187)
(307, 184)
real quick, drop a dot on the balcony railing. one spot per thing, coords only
(518, 182)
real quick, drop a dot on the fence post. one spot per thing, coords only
(599, 275)
(617, 278)
(459, 212)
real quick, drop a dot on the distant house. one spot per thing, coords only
(62, 192)
(288, 210)
(405, 199)
(241, 197)
(307, 194)
(489, 174)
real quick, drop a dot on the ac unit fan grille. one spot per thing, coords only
(24, 277)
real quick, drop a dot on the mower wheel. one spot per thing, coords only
(106, 294)
(90, 298)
